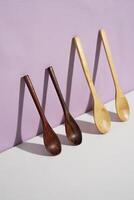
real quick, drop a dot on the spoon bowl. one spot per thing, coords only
(102, 118)
(51, 141)
(122, 107)
(121, 103)
(72, 130)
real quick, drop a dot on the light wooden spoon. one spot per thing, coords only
(101, 115)
(121, 102)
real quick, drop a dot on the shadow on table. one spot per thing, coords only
(33, 148)
(39, 149)
(63, 139)
(87, 127)
(114, 117)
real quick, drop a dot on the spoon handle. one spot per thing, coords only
(57, 88)
(85, 66)
(50, 139)
(35, 99)
(109, 59)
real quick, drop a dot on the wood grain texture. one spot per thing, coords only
(101, 115)
(121, 103)
(73, 131)
(50, 138)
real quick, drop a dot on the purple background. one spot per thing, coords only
(36, 34)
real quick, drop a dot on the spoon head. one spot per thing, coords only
(54, 148)
(72, 130)
(51, 141)
(122, 108)
(102, 118)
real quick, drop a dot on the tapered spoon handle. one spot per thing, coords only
(57, 88)
(109, 59)
(85, 65)
(51, 140)
(35, 98)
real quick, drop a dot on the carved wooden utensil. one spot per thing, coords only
(50, 138)
(121, 103)
(73, 131)
(101, 115)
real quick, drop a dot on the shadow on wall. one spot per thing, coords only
(71, 69)
(30, 147)
(86, 127)
(18, 138)
(44, 98)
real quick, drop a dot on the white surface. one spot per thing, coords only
(102, 167)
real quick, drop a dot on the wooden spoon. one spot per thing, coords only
(101, 115)
(50, 138)
(72, 129)
(121, 102)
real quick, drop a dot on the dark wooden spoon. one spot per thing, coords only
(50, 138)
(73, 131)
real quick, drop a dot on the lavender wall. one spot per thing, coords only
(36, 34)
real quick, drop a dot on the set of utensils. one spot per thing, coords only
(101, 115)
(51, 140)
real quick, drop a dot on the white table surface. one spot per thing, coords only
(102, 167)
